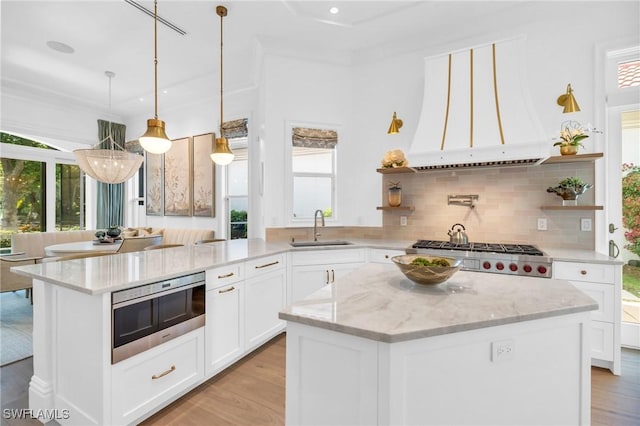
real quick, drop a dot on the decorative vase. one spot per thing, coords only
(113, 231)
(568, 150)
(395, 197)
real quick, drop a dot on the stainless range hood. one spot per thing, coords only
(477, 112)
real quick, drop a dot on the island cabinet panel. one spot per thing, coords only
(146, 381)
(331, 378)
(265, 296)
(602, 282)
(312, 270)
(224, 324)
(450, 379)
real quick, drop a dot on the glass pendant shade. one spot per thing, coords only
(222, 155)
(108, 165)
(155, 140)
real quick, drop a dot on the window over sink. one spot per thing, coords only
(313, 171)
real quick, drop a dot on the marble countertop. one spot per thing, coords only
(120, 271)
(378, 302)
(104, 274)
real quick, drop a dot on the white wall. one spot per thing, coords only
(561, 46)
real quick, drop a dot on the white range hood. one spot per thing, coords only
(476, 111)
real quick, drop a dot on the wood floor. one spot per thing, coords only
(252, 393)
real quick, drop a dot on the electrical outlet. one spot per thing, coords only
(542, 224)
(585, 224)
(403, 221)
(502, 350)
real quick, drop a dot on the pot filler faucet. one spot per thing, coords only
(315, 224)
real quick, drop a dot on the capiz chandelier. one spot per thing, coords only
(107, 161)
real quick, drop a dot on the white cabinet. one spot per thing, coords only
(312, 270)
(378, 255)
(603, 283)
(265, 297)
(225, 318)
(150, 379)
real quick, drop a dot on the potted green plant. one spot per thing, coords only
(570, 188)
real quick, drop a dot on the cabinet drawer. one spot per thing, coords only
(602, 340)
(264, 264)
(575, 271)
(148, 380)
(328, 256)
(383, 255)
(601, 293)
(224, 275)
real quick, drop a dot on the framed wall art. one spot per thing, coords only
(177, 178)
(203, 176)
(154, 185)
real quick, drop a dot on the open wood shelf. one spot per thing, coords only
(578, 158)
(387, 208)
(571, 207)
(392, 170)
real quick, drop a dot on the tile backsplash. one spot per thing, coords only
(507, 210)
(508, 206)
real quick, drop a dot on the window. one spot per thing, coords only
(313, 166)
(29, 201)
(237, 133)
(238, 190)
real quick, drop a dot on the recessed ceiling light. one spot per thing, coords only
(165, 91)
(334, 10)
(60, 47)
(141, 99)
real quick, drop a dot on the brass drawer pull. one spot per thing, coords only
(583, 272)
(171, 370)
(227, 290)
(230, 274)
(268, 264)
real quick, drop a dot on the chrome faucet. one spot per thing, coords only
(315, 224)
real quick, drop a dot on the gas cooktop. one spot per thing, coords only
(514, 259)
(480, 247)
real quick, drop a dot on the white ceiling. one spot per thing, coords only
(113, 35)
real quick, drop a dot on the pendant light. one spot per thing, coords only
(112, 164)
(155, 140)
(222, 154)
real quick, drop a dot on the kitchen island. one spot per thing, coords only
(374, 348)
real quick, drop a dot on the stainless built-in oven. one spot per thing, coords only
(149, 315)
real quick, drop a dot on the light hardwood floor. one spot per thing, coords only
(252, 393)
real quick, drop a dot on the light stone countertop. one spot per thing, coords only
(120, 271)
(378, 302)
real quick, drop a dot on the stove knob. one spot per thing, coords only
(486, 265)
(513, 267)
(499, 266)
(542, 269)
(527, 268)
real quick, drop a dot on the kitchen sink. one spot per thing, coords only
(320, 243)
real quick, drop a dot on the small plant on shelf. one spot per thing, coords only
(395, 194)
(570, 188)
(571, 135)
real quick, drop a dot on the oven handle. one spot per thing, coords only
(156, 295)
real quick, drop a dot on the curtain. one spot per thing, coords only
(110, 197)
(235, 129)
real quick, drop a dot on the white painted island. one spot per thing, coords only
(374, 348)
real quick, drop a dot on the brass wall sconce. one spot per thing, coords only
(395, 126)
(568, 101)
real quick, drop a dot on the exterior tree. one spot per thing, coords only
(631, 207)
